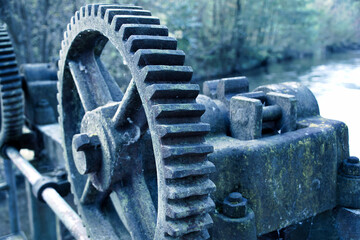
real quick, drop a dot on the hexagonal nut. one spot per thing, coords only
(234, 209)
(351, 167)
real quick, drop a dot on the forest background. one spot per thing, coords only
(220, 37)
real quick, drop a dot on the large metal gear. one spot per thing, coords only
(123, 188)
(11, 94)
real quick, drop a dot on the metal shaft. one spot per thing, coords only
(31, 174)
(12, 201)
(66, 214)
(272, 113)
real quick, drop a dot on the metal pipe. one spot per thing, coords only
(12, 199)
(65, 213)
(23, 165)
(4, 186)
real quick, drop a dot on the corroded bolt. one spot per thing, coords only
(87, 153)
(235, 197)
(353, 160)
(234, 205)
(351, 167)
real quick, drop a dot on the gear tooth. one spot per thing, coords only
(136, 42)
(94, 9)
(159, 74)
(8, 64)
(177, 209)
(187, 110)
(7, 50)
(10, 86)
(102, 8)
(59, 109)
(145, 57)
(9, 71)
(60, 55)
(9, 79)
(11, 94)
(110, 13)
(13, 112)
(183, 130)
(88, 10)
(73, 20)
(128, 30)
(58, 97)
(11, 105)
(173, 171)
(119, 20)
(11, 120)
(68, 28)
(63, 45)
(178, 228)
(188, 187)
(66, 36)
(170, 151)
(13, 101)
(172, 91)
(5, 44)
(59, 75)
(77, 16)
(4, 39)
(7, 56)
(83, 11)
(101, 12)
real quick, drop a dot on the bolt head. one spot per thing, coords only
(351, 167)
(353, 160)
(235, 197)
(234, 206)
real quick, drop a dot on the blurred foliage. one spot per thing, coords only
(220, 37)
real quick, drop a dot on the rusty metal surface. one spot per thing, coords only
(157, 194)
(287, 174)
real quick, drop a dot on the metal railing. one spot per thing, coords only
(50, 196)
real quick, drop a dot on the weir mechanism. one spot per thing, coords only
(155, 159)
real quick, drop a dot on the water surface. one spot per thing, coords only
(334, 81)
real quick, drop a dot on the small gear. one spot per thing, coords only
(11, 94)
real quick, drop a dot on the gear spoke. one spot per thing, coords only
(137, 214)
(114, 89)
(89, 195)
(130, 103)
(89, 81)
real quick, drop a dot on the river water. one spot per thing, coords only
(335, 82)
